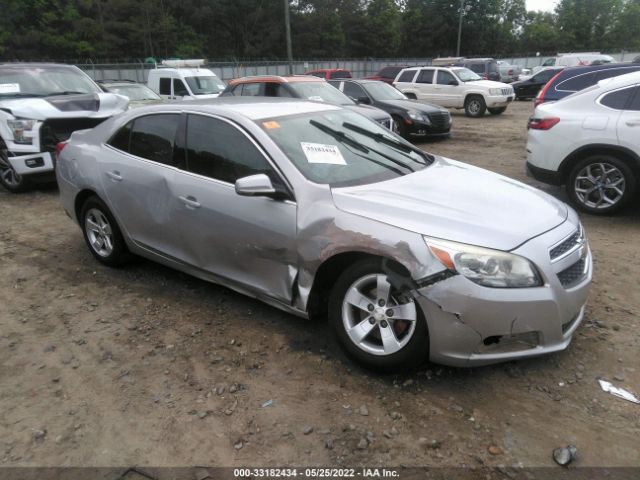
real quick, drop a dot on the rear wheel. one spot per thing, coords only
(475, 106)
(497, 111)
(102, 234)
(412, 96)
(601, 184)
(8, 177)
(376, 323)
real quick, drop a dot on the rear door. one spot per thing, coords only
(135, 174)
(248, 240)
(424, 85)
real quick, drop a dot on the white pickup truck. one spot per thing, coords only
(455, 87)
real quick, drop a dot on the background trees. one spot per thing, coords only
(225, 29)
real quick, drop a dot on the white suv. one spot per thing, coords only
(455, 87)
(590, 142)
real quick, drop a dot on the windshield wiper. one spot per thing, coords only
(21, 95)
(65, 92)
(388, 141)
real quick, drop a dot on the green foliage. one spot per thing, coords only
(115, 30)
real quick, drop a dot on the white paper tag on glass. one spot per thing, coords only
(321, 153)
(9, 88)
(316, 98)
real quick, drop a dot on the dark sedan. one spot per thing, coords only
(530, 87)
(410, 117)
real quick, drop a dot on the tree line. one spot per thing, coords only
(254, 29)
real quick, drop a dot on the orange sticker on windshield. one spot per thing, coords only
(271, 125)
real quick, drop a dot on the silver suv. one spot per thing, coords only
(317, 210)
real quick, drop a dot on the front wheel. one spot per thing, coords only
(475, 106)
(601, 184)
(102, 234)
(8, 177)
(411, 96)
(399, 127)
(497, 111)
(377, 323)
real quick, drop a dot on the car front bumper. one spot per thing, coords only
(471, 325)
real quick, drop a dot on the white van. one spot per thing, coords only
(184, 80)
(574, 60)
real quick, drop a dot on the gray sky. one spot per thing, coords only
(547, 5)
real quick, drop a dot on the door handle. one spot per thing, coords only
(634, 122)
(115, 176)
(190, 202)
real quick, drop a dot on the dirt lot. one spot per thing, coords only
(147, 366)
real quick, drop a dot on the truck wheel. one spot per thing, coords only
(411, 96)
(497, 111)
(475, 106)
(601, 184)
(8, 177)
(377, 324)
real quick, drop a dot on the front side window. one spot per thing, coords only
(179, 88)
(251, 89)
(342, 148)
(153, 136)
(445, 78)
(218, 150)
(407, 76)
(618, 99)
(354, 91)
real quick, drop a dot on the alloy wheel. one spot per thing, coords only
(474, 107)
(8, 174)
(377, 318)
(99, 232)
(599, 185)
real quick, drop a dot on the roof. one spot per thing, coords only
(275, 79)
(328, 70)
(35, 65)
(253, 108)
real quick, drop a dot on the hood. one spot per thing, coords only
(413, 105)
(369, 111)
(91, 105)
(458, 202)
(487, 84)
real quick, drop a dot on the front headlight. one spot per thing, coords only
(486, 267)
(418, 117)
(495, 91)
(19, 128)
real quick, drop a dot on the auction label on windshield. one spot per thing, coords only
(321, 153)
(9, 88)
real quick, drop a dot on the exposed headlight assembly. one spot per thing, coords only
(19, 128)
(486, 267)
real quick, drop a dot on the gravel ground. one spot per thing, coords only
(147, 366)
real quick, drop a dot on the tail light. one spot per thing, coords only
(540, 98)
(59, 147)
(542, 123)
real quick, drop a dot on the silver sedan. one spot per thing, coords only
(319, 211)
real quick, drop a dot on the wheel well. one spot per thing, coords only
(471, 95)
(327, 275)
(632, 160)
(80, 199)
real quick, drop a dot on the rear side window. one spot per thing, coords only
(577, 83)
(251, 89)
(122, 137)
(218, 150)
(389, 72)
(165, 86)
(153, 137)
(445, 78)
(618, 99)
(425, 76)
(476, 67)
(407, 76)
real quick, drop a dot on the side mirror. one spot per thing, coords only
(364, 100)
(453, 83)
(255, 186)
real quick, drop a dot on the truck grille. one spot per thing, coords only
(507, 91)
(440, 122)
(572, 275)
(58, 130)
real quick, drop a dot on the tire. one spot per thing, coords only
(390, 343)
(601, 184)
(399, 127)
(102, 233)
(475, 106)
(411, 96)
(9, 179)
(497, 111)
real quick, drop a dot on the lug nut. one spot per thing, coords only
(370, 307)
(381, 303)
(389, 313)
(384, 324)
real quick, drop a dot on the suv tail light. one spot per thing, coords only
(485, 76)
(542, 123)
(540, 97)
(59, 147)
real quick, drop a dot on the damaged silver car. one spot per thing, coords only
(319, 211)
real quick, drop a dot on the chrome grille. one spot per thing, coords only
(569, 244)
(573, 274)
(440, 121)
(507, 91)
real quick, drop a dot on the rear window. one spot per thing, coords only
(389, 72)
(407, 76)
(340, 74)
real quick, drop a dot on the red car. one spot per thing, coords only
(387, 74)
(330, 73)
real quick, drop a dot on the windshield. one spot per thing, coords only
(43, 81)
(321, 92)
(205, 85)
(383, 91)
(466, 75)
(342, 148)
(135, 93)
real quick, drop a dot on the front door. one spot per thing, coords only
(447, 90)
